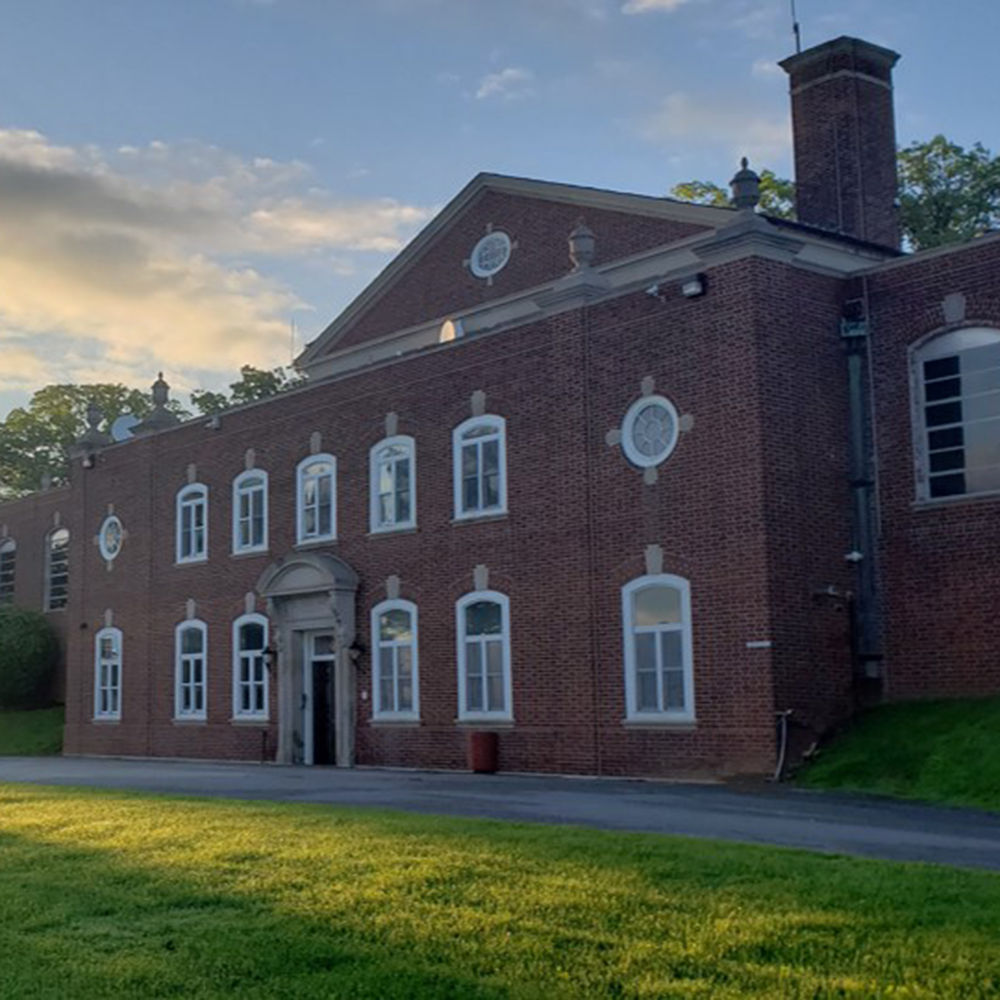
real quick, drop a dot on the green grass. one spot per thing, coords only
(942, 751)
(34, 734)
(107, 894)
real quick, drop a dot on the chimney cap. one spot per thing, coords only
(857, 51)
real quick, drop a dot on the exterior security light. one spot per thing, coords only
(693, 287)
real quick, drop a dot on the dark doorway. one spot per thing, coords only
(322, 704)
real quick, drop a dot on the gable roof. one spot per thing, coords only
(646, 206)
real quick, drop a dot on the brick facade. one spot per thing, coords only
(755, 507)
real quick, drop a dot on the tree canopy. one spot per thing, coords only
(35, 440)
(947, 194)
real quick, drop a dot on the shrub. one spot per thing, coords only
(29, 651)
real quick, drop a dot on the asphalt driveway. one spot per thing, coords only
(830, 823)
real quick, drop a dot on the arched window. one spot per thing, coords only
(108, 674)
(190, 664)
(250, 668)
(250, 511)
(394, 674)
(957, 393)
(656, 612)
(480, 467)
(393, 487)
(57, 570)
(192, 523)
(317, 499)
(8, 570)
(484, 677)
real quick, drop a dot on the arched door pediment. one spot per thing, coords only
(306, 573)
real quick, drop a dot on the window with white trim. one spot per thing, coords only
(650, 431)
(250, 511)
(191, 665)
(57, 570)
(957, 393)
(659, 684)
(250, 667)
(484, 676)
(317, 499)
(192, 523)
(8, 570)
(480, 467)
(394, 675)
(393, 485)
(108, 674)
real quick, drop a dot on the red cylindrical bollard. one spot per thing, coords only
(483, 752)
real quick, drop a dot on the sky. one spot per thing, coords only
(192, 185)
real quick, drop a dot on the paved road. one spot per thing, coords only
(830, 823)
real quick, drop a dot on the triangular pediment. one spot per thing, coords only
(433, 278)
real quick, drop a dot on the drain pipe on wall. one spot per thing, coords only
(866, 619)
(782, 718)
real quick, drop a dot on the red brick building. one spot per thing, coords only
(619, 479)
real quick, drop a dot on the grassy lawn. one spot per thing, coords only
(111, 894)
(35, 734)
(942, 751)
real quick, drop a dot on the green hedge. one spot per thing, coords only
(29, 652)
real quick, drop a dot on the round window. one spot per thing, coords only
(111, 537)
(649, 432)
(490, 255)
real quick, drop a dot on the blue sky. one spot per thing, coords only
(181, 179)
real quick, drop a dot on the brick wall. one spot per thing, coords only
(29, 522)
(939, 559)
(580, 521)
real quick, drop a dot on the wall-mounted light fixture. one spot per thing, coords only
(693, 286)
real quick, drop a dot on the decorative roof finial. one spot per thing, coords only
(746, 187)
(93, 438)
(582, 246)
(160, 418)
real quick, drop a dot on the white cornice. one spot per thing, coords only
(584, 197)
(748, 235)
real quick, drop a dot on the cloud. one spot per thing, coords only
(767, 69)
(720, 121)
(128, 260)
(651, 6)
(509, 84)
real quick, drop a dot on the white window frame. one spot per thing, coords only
(374, 508)
(241, 489)
(238, 715)
(179, 659)
(628, 424)
(111, 715)
(49, 606)
(191, 496)
(629, 630)
(8, 550)
(301, 537)
(494, 597)
(499, 425)
(938, 345)
(378, 710)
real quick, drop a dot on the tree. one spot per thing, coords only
(947, 194)
(777, 194)
(28, 654)
(254, 384)
(35, 440)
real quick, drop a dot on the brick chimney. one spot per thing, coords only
(845, 138)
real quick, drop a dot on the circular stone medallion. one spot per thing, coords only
(490, 255)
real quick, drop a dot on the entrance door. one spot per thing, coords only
(318, 699)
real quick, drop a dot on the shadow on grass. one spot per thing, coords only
(205, 898)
